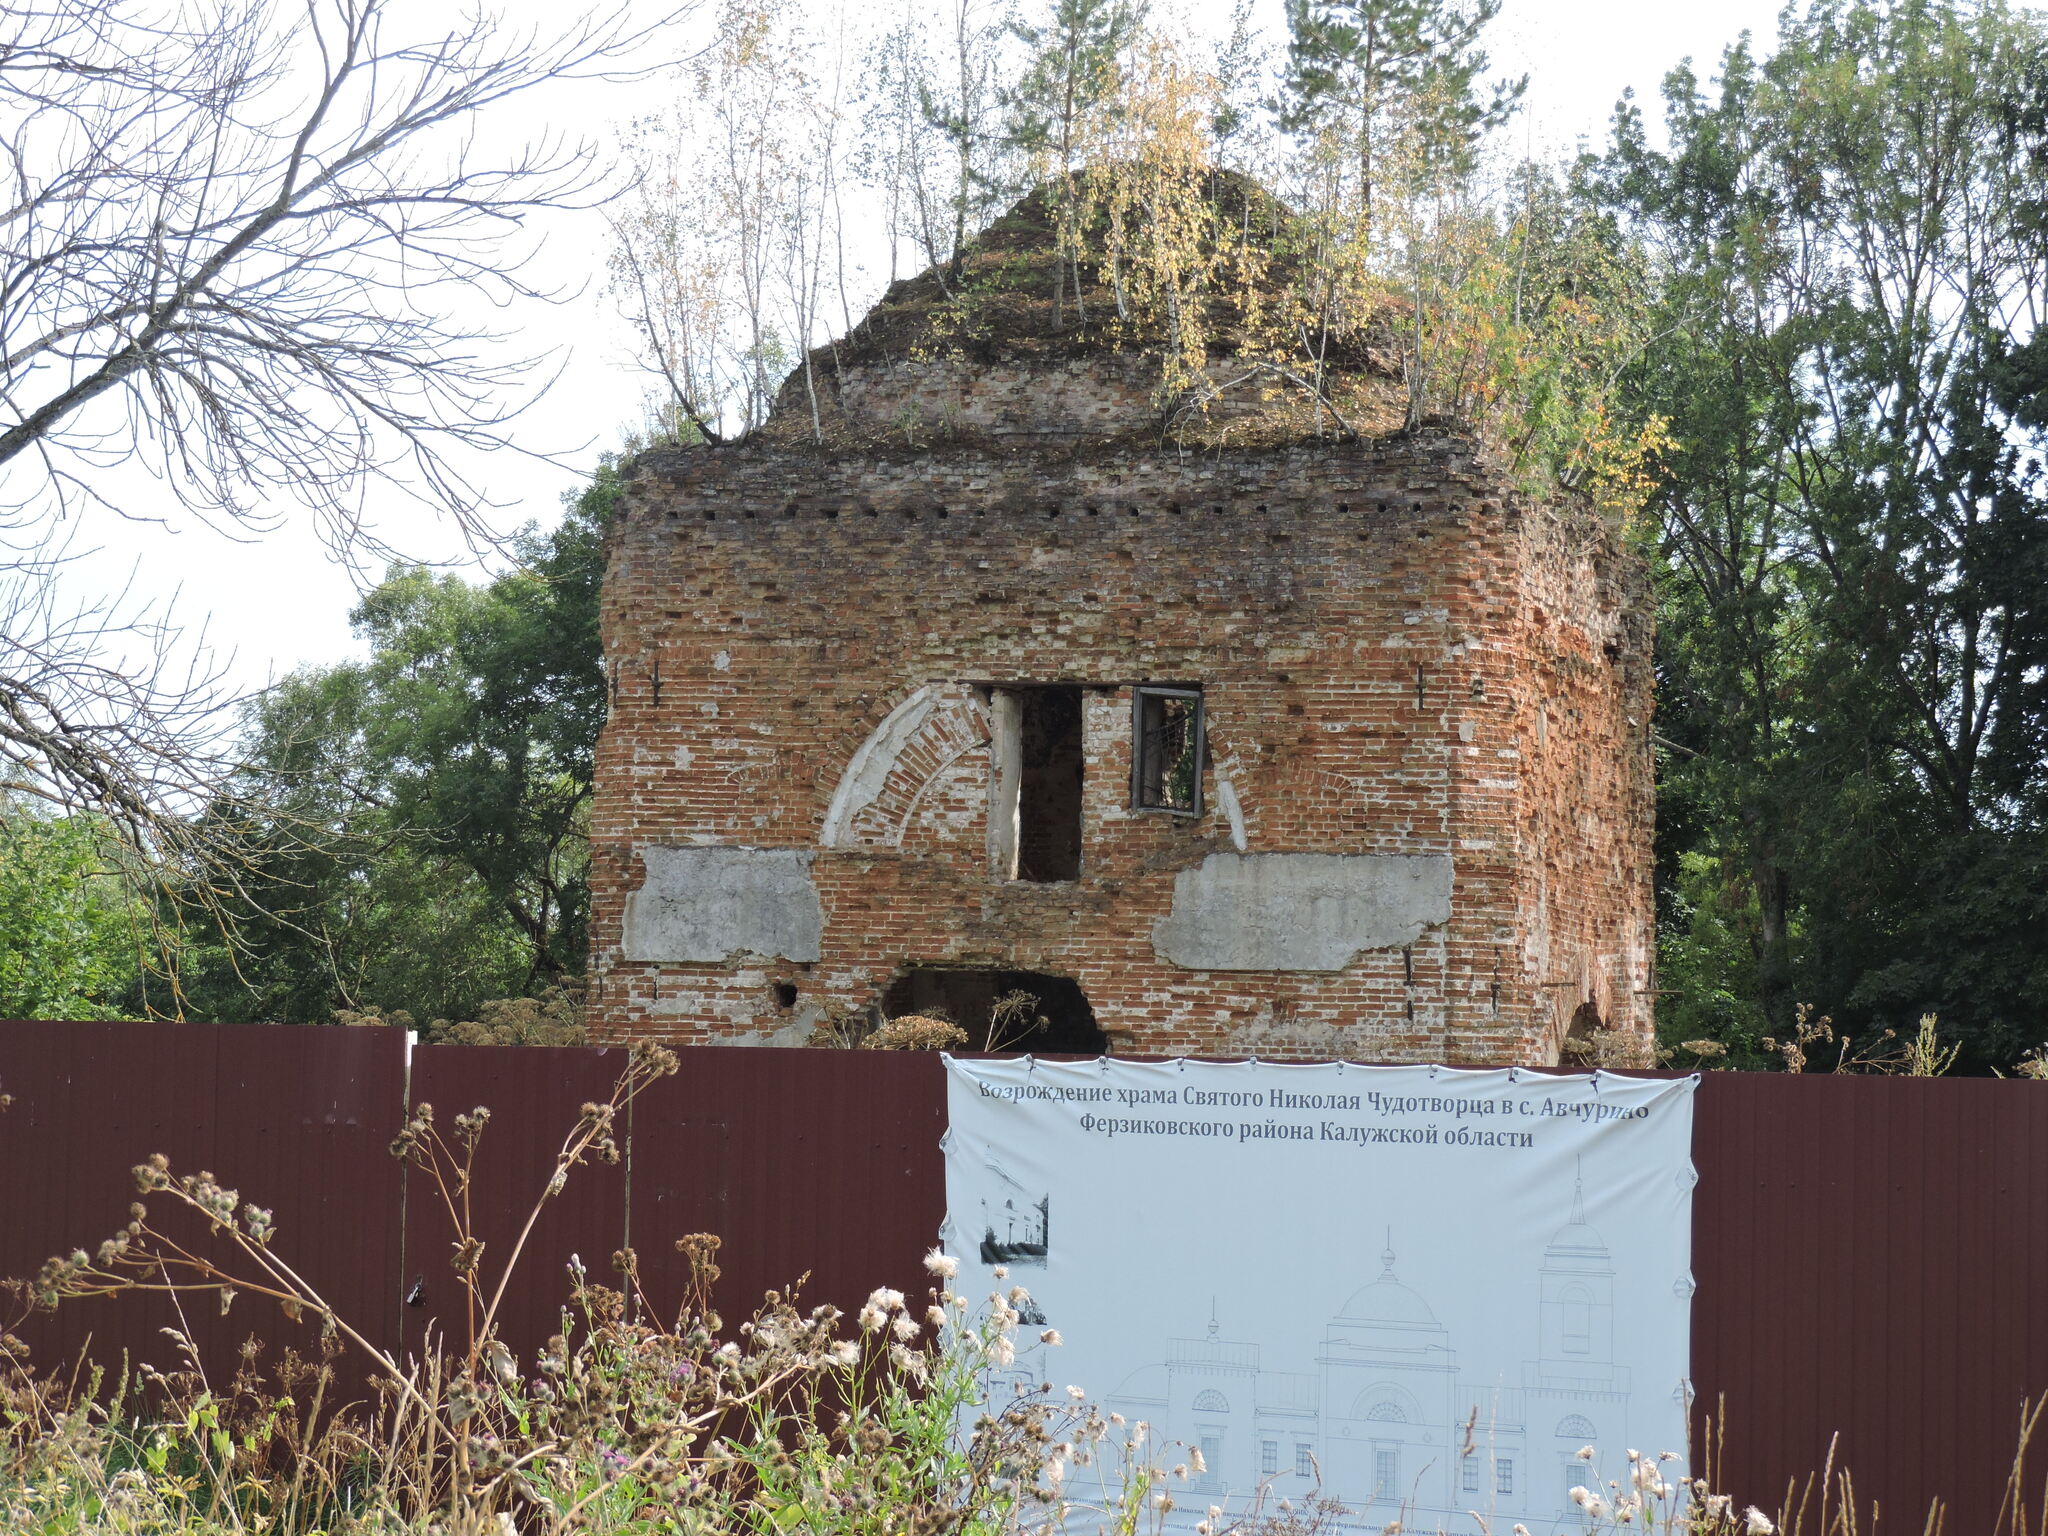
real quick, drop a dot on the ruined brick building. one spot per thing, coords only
(1267, 741)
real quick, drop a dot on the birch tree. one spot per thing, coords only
(720, 252)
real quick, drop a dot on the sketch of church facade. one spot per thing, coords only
(1381, 1423)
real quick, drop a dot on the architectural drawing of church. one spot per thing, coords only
(1381, 1424)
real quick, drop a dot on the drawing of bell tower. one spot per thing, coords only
(1576, 1394)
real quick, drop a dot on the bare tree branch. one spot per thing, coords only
(243, 245)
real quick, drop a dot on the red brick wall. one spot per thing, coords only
(1397, 657)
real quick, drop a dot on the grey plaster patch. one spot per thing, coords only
(1300, 911)
(705, 904)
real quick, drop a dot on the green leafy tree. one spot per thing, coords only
(1369, 69)
(1070, 72)
(1853, 526)
(447, 781)
(1068, 81)
(70, 927)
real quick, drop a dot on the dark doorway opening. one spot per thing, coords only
(1581, 1043)
(1049, 784)
(1002, 1010)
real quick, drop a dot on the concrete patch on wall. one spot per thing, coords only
(706, 904)
(1300, 911)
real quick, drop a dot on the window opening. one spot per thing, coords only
(1304, 1459)
(1504, 1475)
(1269, 1458)
(1166, 750)
(1471, 1481)
(1048, 784)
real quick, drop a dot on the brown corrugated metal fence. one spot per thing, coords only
(1870, 1252)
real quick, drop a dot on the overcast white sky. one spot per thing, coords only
(280, 602)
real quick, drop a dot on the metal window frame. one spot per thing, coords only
(1140, 692)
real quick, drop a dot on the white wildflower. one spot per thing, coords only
(1756, 1522)
(1181, 1471)
(1018, 1295)
(1521, 1530)
(935, 1316)
(1195, 1458)
(1585, 1453)
(872, 1317)
(941, 1264)
(1003, 1352)
(1077, 1394)
(905, 1328)
(1717, 1506)
(1581, 1496)
(1002, 1271)
(1051, 1336)
(886, 1299)
(1215, 1511)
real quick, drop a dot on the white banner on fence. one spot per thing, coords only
(1418, 1290)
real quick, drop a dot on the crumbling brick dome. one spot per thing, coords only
(993, 680)
(1011, 343)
